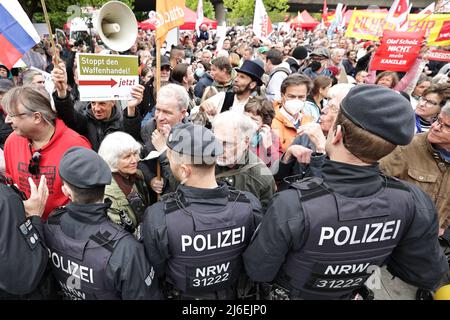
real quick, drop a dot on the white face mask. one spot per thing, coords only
(294, 106)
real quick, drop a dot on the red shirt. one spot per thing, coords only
(18, 152)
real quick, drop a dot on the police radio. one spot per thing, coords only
(126, 222)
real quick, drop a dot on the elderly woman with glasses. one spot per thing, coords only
(429, 106)
(127, 192)
(307, 152)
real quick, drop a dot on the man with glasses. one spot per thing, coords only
(38, 142)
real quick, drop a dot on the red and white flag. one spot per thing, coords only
(398, 14)
(429, 9)
(262, 26)
(199, 20)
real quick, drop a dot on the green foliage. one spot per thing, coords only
(208, 8)
(60, 11)
(242, 11)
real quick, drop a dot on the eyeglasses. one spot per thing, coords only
(33, 166)
(442, 124)
(429, 102)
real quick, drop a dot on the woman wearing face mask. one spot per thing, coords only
(288, 112)
(265, 142)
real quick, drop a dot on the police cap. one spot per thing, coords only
(195, 141)
(381, 111)
(84, 169)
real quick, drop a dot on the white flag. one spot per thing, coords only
(199, 20)
(398, 14)
(262, 26)
(429, 9)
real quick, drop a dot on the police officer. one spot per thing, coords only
(195, 236)
(91, 257)
(322, 238)
(23, 256)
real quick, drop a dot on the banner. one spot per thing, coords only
(398, 51)
(169, 15)
(439, 55)
(106, 77)
(370, 26)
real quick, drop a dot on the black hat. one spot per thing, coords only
(300, 53)
(84, 168)
(164, 62)
(195, 141)
(381, 111)
(253, 70)
(5, 85)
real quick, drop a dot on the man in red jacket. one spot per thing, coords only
(38, 142)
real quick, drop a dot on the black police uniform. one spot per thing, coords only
(195, 237)
(323, 237)
(93, 258)
(23, 258)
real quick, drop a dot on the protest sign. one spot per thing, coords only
(398, 51)
(439, 55)
(370, 26)
(106, 77)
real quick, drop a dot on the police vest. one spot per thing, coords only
(206, 244)
(347, 238)
(80, 266)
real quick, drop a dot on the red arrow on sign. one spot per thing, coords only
(111, 82)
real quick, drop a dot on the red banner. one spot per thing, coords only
(398, 51)
(439, 55)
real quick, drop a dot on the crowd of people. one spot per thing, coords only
(280, 163)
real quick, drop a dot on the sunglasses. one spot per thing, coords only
(33, 166)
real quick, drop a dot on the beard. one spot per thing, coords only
(238, 90)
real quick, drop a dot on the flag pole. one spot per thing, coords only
(49, 27)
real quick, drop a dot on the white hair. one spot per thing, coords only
(115, 145)
(223, 53)
(174, 91)
(232, 120)
(446, 109)
(339, 91)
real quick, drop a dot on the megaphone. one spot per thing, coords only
(117, 26)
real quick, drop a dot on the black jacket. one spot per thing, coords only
(127, 268)
(417, 259)
(23, 257)
(94, 130)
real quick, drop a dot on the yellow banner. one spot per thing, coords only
(370, 26)
(170, 14)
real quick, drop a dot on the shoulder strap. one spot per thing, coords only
(238, 196)
(278, 70)
(55, 216)
(104, 240)
(228, 102)
(395, 183)
(310, 188)
(173, 200)
(236, 171)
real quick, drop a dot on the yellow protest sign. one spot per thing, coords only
(170, 14)
(370, 26)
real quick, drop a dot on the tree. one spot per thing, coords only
(243, 10)
(60, 11)
(208, 8)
